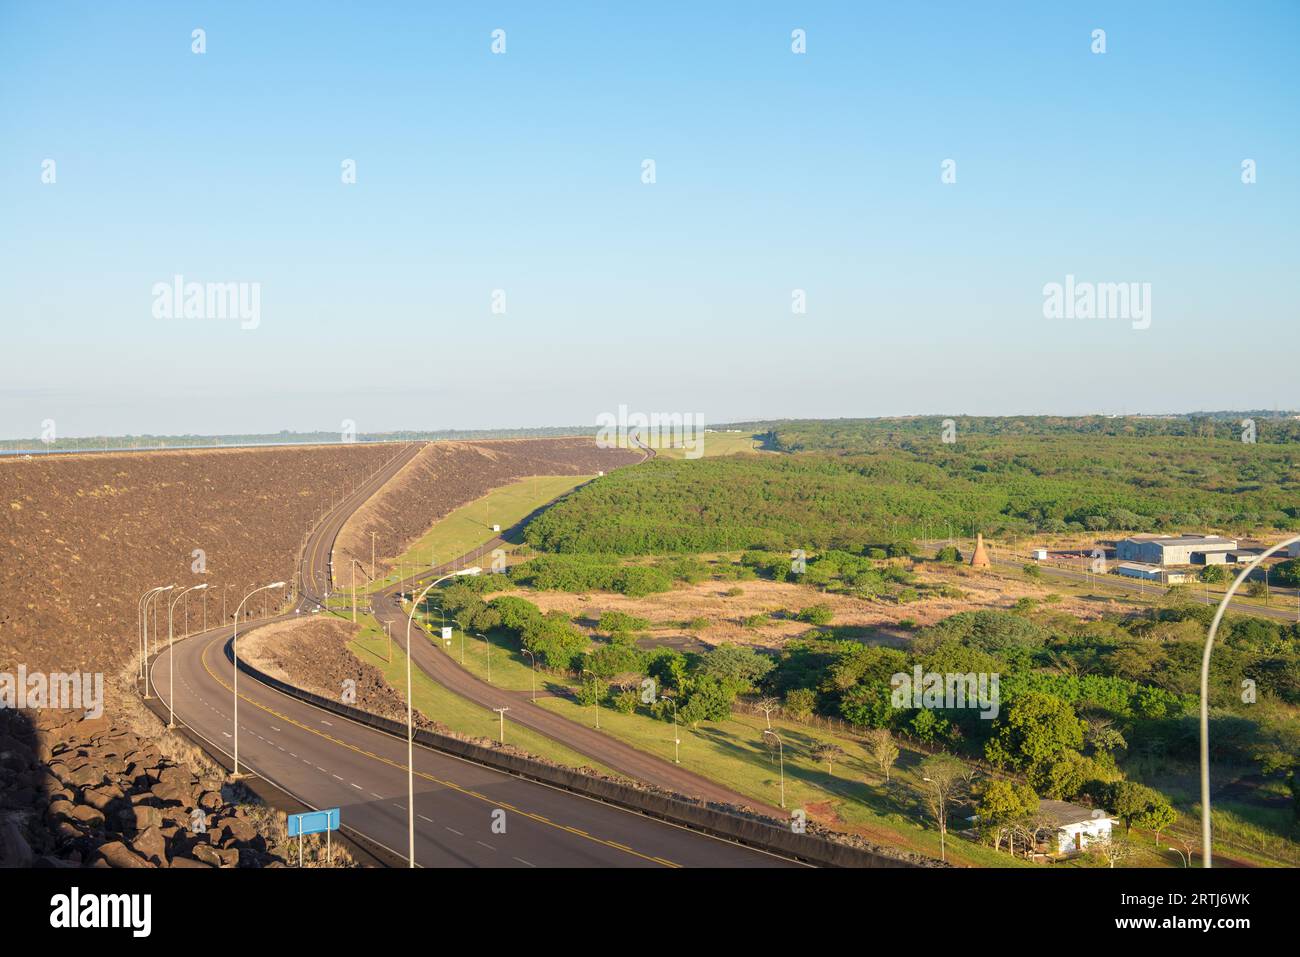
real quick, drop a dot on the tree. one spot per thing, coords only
(767, 706)
(589, 693)
(1288, 572)
(799, 703)
(883, 750)
(736, 666)
(1132, 801)
(829, 752)
(1035, 731)
(943, 780)
(1113, 848)
(1004, 805)
(1215, 575)
(707, 699)
(1156, 817)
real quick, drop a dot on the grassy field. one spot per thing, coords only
(437, 703)
(470, 526)
(855, 797)
(720, 443)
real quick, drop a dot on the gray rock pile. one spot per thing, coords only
(78, 792)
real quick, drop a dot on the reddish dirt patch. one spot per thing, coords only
(83, 536)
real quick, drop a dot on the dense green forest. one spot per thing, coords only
(862, 435)
(922, 487)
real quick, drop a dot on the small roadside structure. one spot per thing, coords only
(1040, 554)
(980, 557)
(1074, 826)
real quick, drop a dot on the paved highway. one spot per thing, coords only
(324, 760)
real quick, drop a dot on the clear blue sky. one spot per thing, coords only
(523, 172)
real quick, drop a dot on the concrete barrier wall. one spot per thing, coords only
(759, 833)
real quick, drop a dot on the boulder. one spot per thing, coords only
(100, 798)
(215, 856)
(117, 854)
(14, 849)
(59, 810)
(234, 829)
(151, 845)
(141, 817)
(88, 815)
(86, 775)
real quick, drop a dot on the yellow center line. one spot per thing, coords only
(428, 777)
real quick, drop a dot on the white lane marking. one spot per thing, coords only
(336, 777)
(373, 794)
(522, 861)
(275, 729)
(227, 734)
(323, 721)
(453, 830)
(423, 818)
(488, 846)
(357, 786)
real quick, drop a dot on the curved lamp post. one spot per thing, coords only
(171, 654)
(532, 658)
(410, 726)
(234, 660)
(143, 630)
(152, 597)
(677, 740)
(1205, 694)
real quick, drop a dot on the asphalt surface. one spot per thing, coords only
(325, 761)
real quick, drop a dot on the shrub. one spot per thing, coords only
(819, 614)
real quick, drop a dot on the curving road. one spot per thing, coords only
(324, 760)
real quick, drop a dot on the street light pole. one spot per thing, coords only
(142, 636)
(677, 741)
(532, 658)
(502, 712)
(410, 721)
(171, 655)
(1206, 852)
(489, 652)
(234, 660)
(780, 750)
(153, 598)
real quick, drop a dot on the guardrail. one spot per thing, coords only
(764, 834)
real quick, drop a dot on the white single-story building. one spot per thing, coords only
(1170, 549)
(1040, 554)
(1152, 573)
(1138, 570)
(1075, 827)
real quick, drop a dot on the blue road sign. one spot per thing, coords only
(313, 822)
